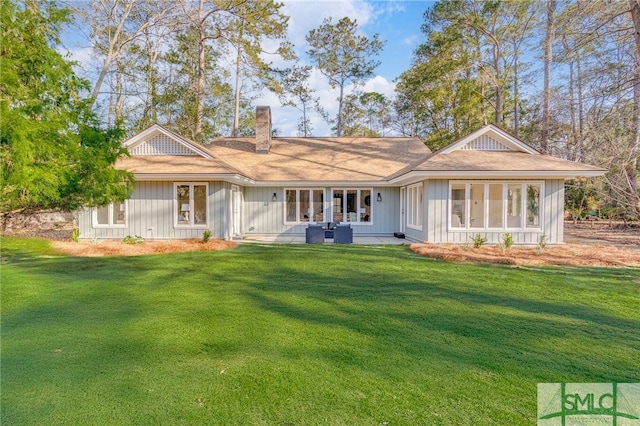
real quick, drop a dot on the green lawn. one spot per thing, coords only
(302, 335)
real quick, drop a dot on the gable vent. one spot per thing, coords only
(485, 143)
(161, 145)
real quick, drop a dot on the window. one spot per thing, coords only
(476, 206)
(191, 204)
(494, 205)
(351, 205)
(533, 206)
(458, 206)
(111, 215)
(414, 206)
(304, 205)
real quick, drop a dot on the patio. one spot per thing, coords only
(300, 239)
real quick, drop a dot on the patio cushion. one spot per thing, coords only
(314, 234)
(343, 234)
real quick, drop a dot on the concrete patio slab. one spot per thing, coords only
(300, 239)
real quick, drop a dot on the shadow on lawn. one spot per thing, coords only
(401, 305)
(440, 316)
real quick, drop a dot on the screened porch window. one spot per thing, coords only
(491, 205)
(304, 205)
(191, 204)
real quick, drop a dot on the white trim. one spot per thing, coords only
(156, 129)
(415, 206)
(237, 203)
(412, 176)
(242, 180)
(324, 183)
(466, 226)
(110, 207)
(495, 133)
(191, 212)
(403, 208)
(311, 201)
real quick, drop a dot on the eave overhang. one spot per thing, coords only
(417, 176)
(188, 177)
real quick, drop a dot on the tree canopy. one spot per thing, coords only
(52, 150)
(343, 56)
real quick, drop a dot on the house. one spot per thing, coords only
(488, 182)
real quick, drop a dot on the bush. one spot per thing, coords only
(542, 243)
(75, 235)
(507, 240)
(478, 240)
(206, 235)
(133, 240)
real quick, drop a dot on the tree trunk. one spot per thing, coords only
(339, 124)
(197, 130)
(118, 114)
(498, 85)
(236, 110)
(304, 120)
(548, 58)
(635, 143)
(113, 52)
(516, 94)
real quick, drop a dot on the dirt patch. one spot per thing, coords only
(586, 244)
(118, 248)
(564, 255)
(602, 232)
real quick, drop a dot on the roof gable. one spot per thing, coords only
(156, 140)
(489, 138)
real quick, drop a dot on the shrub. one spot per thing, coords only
(478, 240)
(501, 247)
(75, 235)
(507, 240)
(206, 235)
(542, 243)
(133, 240)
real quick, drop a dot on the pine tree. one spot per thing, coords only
(52, 151)
(343, 56)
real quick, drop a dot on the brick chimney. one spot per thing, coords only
(263, 129)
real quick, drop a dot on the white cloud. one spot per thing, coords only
(285, 119)
(410, 41)
(304, 16)
(381, 85)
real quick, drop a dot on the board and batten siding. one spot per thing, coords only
(262, 216)
(150, 214)
(436, 217)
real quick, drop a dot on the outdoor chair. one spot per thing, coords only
(343, 234)
(314, 234)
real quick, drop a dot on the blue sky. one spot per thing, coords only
(397, 23)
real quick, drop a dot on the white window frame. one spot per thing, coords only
(414, 206)
(311, 190)
(191, 223)
(359, 202)
(111, 208)
(505, 226)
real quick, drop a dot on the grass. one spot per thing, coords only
(302, 335)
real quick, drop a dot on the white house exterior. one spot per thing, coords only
(488, 183)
